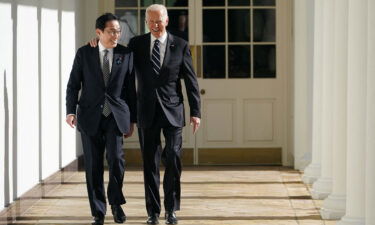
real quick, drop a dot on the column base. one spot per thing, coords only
(302, 162)
(321, 188)
(311, 173)
(347, 220)
(333, 207)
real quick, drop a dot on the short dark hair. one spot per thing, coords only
(103, 19)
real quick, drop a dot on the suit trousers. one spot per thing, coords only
(107, 138)
(152, 154)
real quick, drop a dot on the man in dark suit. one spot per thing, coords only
(161, 60)
(106, 112)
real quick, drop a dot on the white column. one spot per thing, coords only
(312, 171)
(334, 205)
(303, 56)
(323, 186)
(370, 148)
(356, 112)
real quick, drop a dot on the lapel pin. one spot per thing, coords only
(119, 60)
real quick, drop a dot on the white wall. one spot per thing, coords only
(67, 54)
(6, 103)
(27, 87)
(38, 44)
(50, 96)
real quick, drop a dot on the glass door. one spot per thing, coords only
(242, 52)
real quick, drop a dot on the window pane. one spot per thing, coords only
(144, 28)
(264, 2)
(213, 2)
(239, 61)
(178, 23)
(264, 25)
(264, 61)
(239, 29)
(150, 2)
(213, 25)
(126, 3)
(128, 22)
(213, 61)
(239, 2)
(177, 3)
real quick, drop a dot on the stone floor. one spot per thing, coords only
(241, 195)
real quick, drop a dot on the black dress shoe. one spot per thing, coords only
(170, 218)
(98, 220)
(118, 214)
(153, 219)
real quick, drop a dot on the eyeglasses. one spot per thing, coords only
(113, 32)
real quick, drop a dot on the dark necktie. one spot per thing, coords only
(155, 58)
(106, 73)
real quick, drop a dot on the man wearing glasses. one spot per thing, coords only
(106, 112)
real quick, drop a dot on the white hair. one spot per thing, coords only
(159, 8)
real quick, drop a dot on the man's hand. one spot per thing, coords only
(94, 42)
(71, 120)
(131, 130)
(195, 121)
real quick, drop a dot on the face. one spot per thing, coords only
(156, 24)
(110, 35)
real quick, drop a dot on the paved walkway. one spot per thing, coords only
(240, 195)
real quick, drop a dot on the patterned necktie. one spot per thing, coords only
(155, 58)
(106, 73)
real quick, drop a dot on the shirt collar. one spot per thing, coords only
(102, 48)
(162, 39)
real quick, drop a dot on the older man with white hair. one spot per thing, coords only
(161, 60)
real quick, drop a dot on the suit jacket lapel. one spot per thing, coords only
(146, 50)
(117, 61)
(167, 54)
(96, 65)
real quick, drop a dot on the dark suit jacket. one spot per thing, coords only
(165, 87)
(87, 75)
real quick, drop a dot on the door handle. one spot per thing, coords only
(203, 91)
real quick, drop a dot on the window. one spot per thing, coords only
(238, 36)
(239, 39)
(132, 17)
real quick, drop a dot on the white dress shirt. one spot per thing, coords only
(101, 56)
(162, 46)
